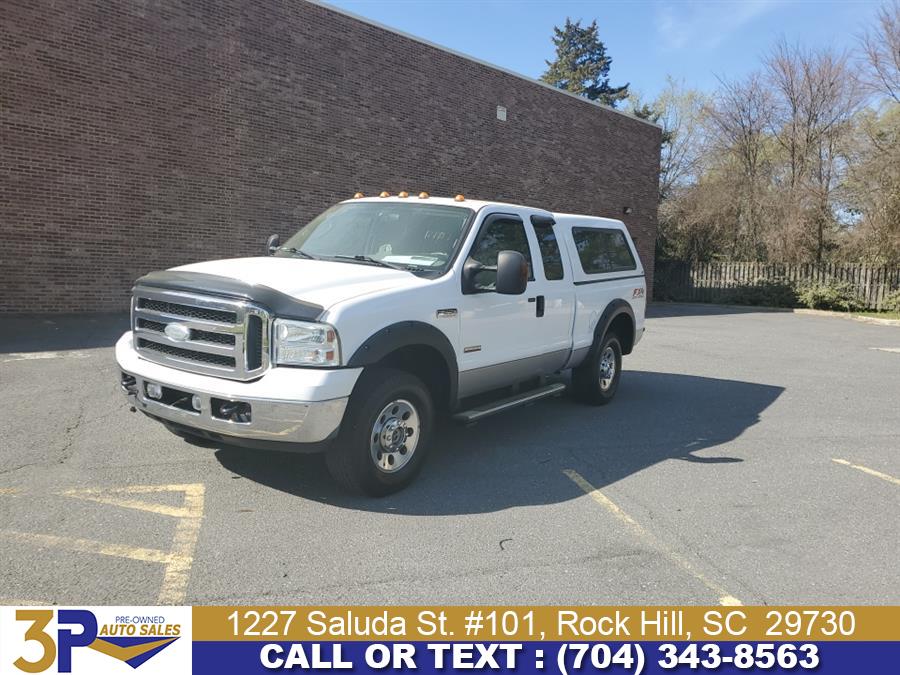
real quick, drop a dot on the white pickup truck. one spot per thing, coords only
(378, 316)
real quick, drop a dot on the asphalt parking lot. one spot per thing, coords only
(750, 457)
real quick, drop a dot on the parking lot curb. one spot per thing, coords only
(811, 312)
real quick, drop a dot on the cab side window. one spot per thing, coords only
(499, 233)
(550, 255)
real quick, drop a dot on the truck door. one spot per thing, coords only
(553, 292)
(501, 338)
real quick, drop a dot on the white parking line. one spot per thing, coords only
(895, 350)
(35, 356)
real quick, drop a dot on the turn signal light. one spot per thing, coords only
(385, 193)
(423, 195)
(358, 195)
(459, 198)
(403, 195)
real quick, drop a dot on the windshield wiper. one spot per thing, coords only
(297, 251)
(380, 263)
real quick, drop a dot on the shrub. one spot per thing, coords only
(836, 295)
(765, 293)
(892, 302)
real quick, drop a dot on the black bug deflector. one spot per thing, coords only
(280, 304)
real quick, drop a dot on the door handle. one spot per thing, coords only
(539, 305)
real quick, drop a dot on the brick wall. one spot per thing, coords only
(141, 134)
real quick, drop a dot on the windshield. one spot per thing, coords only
(419, 237)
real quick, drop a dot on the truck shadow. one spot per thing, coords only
(60, 332)
(517, 459)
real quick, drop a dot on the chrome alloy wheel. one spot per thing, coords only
(394, 436)
(607, 368)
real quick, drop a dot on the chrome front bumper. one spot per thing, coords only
(272, 421)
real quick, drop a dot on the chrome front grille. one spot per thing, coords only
(226, 338)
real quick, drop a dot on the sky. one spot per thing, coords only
(695, 41)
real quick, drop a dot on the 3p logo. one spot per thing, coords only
(98, 640)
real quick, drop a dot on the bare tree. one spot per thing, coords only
(872, 187)
(794, 163)
(681, 114)
(881, 49)
(816, 96)
(740, 115)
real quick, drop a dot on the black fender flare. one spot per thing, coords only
(408, 334)
(614, 309)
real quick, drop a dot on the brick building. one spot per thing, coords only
(141, 135)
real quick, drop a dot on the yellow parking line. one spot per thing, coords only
(187, 531)
(8, 491)
(103, 497)
(725, 598)
(871, 472)
(177, 562)
(178, 571)
(88, 546)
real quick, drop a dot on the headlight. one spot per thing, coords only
(303, 343)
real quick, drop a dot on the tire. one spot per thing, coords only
(370, 455)
(588, 382)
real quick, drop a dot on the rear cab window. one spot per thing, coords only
(551, 257)
(603, 250)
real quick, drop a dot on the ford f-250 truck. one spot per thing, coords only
(379, 315)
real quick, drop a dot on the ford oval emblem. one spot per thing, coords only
(178, 332)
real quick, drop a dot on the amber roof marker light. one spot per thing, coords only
(423, 195)
(403, 195)
(459, 198)
(358, 195)
(385, 193)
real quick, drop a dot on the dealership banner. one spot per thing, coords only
(521, 639)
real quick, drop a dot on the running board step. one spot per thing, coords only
(504, 404)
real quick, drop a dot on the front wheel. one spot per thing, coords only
(385, 434)
(596, 380)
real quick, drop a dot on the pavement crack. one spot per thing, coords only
(3, 472)
(70, 432)
(349, 590)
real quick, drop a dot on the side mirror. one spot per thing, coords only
(272, 244)
(511, 269)
(512, 273)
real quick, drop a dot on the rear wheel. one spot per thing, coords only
(385, 434)
(596, 380)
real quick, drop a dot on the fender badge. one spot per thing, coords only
(448, 313)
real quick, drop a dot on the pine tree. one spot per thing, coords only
(582, 65)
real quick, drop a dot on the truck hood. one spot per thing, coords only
(320, 282)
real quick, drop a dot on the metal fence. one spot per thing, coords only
(724, 281)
